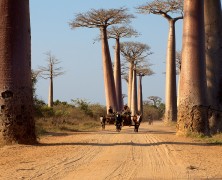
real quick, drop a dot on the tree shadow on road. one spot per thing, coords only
(130, 144)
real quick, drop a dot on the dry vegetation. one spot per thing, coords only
(64, 117)
(78, 116)
(84, 116)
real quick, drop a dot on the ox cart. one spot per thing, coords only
(121, 120)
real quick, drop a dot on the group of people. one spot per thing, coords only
(123, 117)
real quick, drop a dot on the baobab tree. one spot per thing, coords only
(50, 71)
(134, 99)
(102, 19)
(16, 118)
(142, 70)
(155, 99)
(213, 44)
(192, 111)
(133, 52)
(166, 8)
(117, 33)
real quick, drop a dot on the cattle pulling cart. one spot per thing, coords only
(121, 120)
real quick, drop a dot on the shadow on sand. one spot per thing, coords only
(130, 144)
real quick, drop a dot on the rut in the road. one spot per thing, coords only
(96, 155)
(128, 155)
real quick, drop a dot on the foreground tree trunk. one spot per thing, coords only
(171, 95)
(192, 111)
(16, 102)
(110, 92)
(213, 49)
(117, 76)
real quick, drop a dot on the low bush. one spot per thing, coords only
(64, 117)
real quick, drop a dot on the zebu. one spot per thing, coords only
(136, 120)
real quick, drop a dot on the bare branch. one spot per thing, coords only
(125, 70)
(50, 70)
(164, 8)
(101, 18)
(134, 51)
(116, 32)
(144, 69)
(35, 74)
(156, 100)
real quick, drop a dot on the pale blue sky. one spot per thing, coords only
(81, 58)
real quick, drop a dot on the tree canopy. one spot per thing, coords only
(51, 69)
(116, 32)
(144, 69)
(162, 7)
(101, 18)
(133, 51)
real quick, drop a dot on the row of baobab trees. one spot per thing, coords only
(196, 80)
(199, 105)
(114, 24)
(200, 76)
(133, 52)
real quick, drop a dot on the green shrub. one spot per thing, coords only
(154, 111)
(47, 111)
(97, 110)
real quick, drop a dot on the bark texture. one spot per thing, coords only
(50, 98)
(192, 110)
(109, 84)
(117, 77)
(171, 95)
(213, 49)
(140, 96)
(16, 101)
(134, 108)
(130, 80)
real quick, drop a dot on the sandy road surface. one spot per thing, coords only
(153, 153)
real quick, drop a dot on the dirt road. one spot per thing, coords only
(152, 153)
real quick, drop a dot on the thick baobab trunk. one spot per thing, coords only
(213, 49)
(16, 102)
(50, 98)
(192, 110)
(140, 96)
(110, 92)
(171, 96)
(117, 77)
(134, 93)
(130, 80)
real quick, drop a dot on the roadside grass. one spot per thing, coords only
(211, 140)
(171, 124)
(65, 118)
(215, 139)
(79, 115)
(50, 125)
